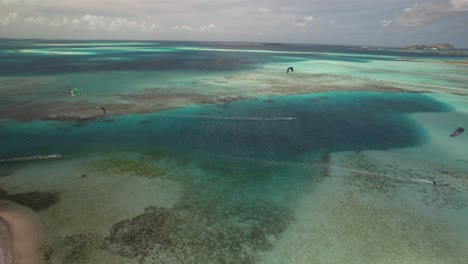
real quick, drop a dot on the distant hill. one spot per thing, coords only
(440, 46)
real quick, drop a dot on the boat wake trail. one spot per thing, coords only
(324, 165)
(236, 118)
(377, 174)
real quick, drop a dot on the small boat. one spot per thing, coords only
(37, 157)
(457, 132)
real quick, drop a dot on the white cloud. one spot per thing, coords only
(423, 13)
(75, 22)
(299, 24)
(237, 19)
(88, 21)
(95, 22)
(182, 28)
(207, 28)
(204, 28)
(146, 27)
(263, 10)
(303, 22)
(386, 23)
(459, 5)
(17, 2)
(11, 17)
(41, 21)
(115, 24)
(153, 27)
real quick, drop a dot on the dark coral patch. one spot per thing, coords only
(37, 201)
(71, 249)
(193, 233)
(137, 237)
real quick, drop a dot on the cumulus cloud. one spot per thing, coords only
(6, 20)
(113, 24)
(182, 28)
(95, 22)
(153, 27)
(75, 22)
(207, 28)
(423, 13)
(263, 10)
(461, 5)
(41, 21)
(88, 21)
(386, 23)
(187, 28)
(241, 20)
(302, 22)
(17, 2)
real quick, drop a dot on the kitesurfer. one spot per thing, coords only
(104, 112)
(74, 92)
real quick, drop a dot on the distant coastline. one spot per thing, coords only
(440, 46)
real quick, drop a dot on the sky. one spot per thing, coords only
(343, 22)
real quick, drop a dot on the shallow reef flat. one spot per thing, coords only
(354, 207)
(137, 78)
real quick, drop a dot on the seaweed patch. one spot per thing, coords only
(193, 233)
(134, 166)
(71, 249)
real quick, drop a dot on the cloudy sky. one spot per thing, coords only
(356, 22)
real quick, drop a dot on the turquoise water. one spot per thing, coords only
(211, 153)
(277, 128)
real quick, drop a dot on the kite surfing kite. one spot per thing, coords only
(290, 69)
(74, 92)
(457, 132)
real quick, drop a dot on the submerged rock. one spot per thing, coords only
(37, 201)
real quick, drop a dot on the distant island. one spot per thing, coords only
(440, 46)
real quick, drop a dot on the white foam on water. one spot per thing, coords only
(54, 52)
(377, 174)
(325, 165)
(98, 44)
(236, 118)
